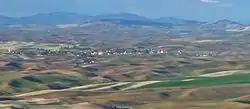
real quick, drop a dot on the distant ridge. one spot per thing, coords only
(226, 21)
(56, 18)
(65, 18)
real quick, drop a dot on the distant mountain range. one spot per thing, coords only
(56, 18)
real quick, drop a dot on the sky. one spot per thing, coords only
(206, 10)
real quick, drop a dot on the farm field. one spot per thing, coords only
(124, 61)
(194, 82)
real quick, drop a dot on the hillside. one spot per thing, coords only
(122, 61)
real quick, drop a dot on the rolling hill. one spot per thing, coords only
(55, 18)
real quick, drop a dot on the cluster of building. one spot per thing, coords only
(89, 56)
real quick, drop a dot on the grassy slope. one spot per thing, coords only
(14, 82)
(203, 81)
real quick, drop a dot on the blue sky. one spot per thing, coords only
(188, 9)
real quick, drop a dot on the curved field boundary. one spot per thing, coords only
(50, 91)
(140, 84)
(103, 86)
(221, 73)
(108, 87)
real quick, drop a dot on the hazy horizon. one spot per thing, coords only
(203, 10)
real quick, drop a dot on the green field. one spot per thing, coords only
(21, 84)
(201, 81)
